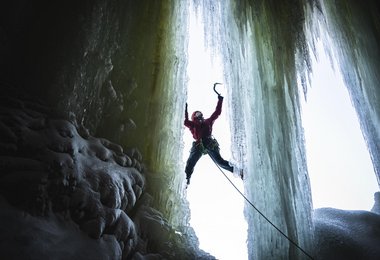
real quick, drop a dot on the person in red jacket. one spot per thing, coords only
(204, 143)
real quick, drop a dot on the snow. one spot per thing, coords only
(25, 236)
(349, 234)
(60, 176)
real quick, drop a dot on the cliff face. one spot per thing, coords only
(92, 99)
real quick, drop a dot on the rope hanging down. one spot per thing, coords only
(282, 233)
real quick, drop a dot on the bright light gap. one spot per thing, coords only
(217, 210)
(340, 168)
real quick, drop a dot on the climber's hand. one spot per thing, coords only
(220, 97)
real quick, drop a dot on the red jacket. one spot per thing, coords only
(203, 129)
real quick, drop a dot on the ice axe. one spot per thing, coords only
(215, 89)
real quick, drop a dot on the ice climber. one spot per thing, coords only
(204, 143)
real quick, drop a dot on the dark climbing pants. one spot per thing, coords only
(207, 146)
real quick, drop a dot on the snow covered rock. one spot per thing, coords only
(346, 234)
(50, 173)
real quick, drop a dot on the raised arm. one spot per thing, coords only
(218, 109)
(187, 122)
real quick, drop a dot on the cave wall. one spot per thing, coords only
(107, 65)
(109, 73)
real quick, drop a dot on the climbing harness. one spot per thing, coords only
(200, 147)
(211, 145)
(262, 214)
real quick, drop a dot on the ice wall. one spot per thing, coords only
(266, 46)
(258, 41)
(350, 31)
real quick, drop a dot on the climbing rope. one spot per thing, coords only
(270, 222)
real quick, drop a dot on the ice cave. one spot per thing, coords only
(92, 108)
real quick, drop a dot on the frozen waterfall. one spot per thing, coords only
(262, 62)
(92, 103)
(267, 136)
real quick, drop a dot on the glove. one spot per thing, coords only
(220, 97)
